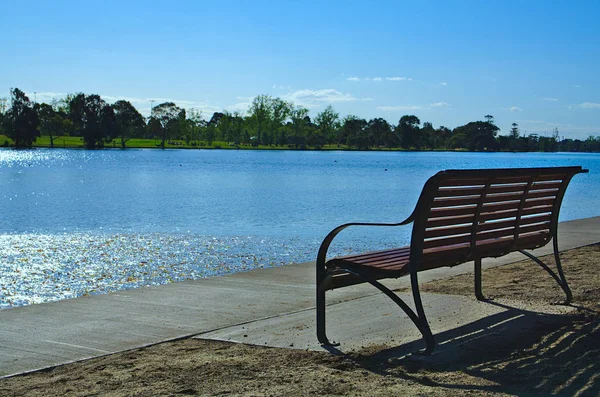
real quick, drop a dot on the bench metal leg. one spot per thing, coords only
(321, 333)
(478, 292)
(418, 319)
(560, 277)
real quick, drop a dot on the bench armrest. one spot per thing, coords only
(322, 255)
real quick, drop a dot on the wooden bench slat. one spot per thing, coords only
(497, 233)
(376, 254)
(455, 201)
(452, 212)
(459, 192)
(545, 185)
(497, 198)
(463, 229)
(453, 220)
(489, 216)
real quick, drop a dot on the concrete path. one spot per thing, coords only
(270, 306)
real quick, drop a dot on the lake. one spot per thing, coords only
(78, 222)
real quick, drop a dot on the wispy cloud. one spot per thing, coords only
(315, 98)
(391, 78)
(444, 83)
(550, 99)
(515, 109)
(45, 96)
(307, 98)
(588, 105)
(440, 105)
(281, 87)
(399, 108)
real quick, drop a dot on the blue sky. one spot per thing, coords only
(535, 63)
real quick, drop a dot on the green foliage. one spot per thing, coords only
(52, 123)
(82, 120)
(129, 122)
(168, 116)
(93, 119)
(476, 136)
(21, 120)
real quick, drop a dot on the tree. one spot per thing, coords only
(476, 135)
(408, 131)
(195, 125)
(427, 135)
(167, 114)
(489, 118)
(93, 119)
(299, 124)
(261, 113)
(52, 123)
(353, 131)
(21, 120)
(108, 125)
(129, 122)
(153, 128)
(238, 127)
(379, 133)
(328, 122)
(76, 111)
(514, 131)
(442, 137)
(281, 110)
(98, 121)
(3, 106)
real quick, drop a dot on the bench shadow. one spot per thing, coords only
(515, 351)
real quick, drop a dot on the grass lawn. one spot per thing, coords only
(77, 142)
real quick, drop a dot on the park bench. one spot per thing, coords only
(461, 216)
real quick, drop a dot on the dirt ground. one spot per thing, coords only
(559, 356)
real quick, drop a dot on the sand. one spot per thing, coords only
(558, 356)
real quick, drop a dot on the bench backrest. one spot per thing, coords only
(468, 214)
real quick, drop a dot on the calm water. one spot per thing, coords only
(140, 217)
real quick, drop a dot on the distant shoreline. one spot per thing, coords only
(73, 142)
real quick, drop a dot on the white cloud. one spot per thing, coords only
(313, 98)
(399, 108)
(377, 79)
(440, 105)
(353, 79)
(395, 78)
(515, 109)
(550, 99)
(45, 96)
(444, 84)
(307, 98)
(589, 105)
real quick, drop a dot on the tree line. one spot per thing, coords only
(269, 121)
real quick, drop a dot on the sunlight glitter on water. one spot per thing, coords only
(42, 268)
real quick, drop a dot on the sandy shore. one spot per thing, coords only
(560, 355)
